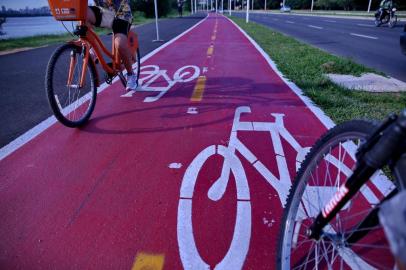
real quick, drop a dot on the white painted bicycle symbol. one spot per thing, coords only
(237, 252)
(238, 249)
(153, 79)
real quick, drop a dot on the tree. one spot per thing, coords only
(147, 6)
(345, 4)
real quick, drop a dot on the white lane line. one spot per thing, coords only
(326, 120)
(330, 21)
(363, 36)
(41, 127)
(316, 27)
(290, 22)
(367, 25)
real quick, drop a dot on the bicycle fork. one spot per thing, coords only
(72, 67)
(372, 156)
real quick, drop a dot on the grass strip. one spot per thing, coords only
(400, 14)
(305, 66)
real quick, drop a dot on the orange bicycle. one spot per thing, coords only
(71, 77)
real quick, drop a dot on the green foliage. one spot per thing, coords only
(147, 7)
(335, 4)
(306, 66)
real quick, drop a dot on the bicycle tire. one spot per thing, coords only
(295, 206)
(137, 61)
(66, 115)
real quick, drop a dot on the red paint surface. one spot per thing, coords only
(95, 197)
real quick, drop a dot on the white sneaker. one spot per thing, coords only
(131, 82)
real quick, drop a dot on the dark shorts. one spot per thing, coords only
(119, 25)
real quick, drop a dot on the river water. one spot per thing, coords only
(31, 26)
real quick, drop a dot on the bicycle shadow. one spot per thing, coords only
(234, 91)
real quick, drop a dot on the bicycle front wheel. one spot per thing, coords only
(348, 241)
(71, 103)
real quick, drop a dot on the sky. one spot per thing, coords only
(17, 4)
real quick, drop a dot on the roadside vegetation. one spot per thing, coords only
(43, 40)
(306, 66)
(340, 13)
(326, 5)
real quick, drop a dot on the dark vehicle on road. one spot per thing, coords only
(383, 16)
(403, 41)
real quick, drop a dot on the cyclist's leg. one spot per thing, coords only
(94, 16)
(120, 30)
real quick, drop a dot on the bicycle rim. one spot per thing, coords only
(325, 169)
(137, 64)
(72, 105)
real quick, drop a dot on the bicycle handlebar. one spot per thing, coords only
(389, 143)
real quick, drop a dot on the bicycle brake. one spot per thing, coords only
(375, 136)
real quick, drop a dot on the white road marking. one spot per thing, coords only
(330, 21)
(367, 25)
(290, 22)
(175, 165)
(237, 252)
(363, 36)
(192, 110)
(41, 127)
(327, 122)
(313, 26)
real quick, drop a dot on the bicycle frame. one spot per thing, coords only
(89, 39)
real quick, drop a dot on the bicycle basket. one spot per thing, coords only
(68, 10)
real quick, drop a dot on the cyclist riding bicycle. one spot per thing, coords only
(116, 15)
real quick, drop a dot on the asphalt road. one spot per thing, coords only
(23, 102)
(359, 39)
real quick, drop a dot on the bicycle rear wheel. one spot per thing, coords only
(71, 104)
(325, 169)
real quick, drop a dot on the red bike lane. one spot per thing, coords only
(130, 189)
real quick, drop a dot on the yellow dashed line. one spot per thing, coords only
(213, 37)
(149, 261)
(210, 50)
(199, 89)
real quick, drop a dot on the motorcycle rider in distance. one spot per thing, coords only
(384, 7)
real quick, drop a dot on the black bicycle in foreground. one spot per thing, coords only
(331, 216)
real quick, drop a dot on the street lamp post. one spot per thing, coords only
(191, 6)
(247, 19)
(229, 7)
(265, 5)
(156, 23)
(369, 6)
(311, 9)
